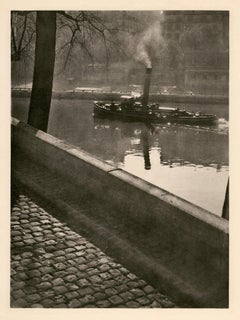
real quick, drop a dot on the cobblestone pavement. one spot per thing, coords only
(54, 267)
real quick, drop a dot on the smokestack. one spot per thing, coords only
(146, 88)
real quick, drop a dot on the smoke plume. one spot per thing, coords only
(149, 44)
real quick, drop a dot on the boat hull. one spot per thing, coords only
(198, 120)
(100, 111)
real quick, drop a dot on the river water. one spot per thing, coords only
(189, 161)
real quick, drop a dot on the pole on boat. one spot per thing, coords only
(225, 210)
(146, 89)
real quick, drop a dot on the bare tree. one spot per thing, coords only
(87, 30)
(22, 33)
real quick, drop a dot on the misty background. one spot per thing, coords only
(188, 50)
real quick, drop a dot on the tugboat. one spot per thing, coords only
(133, 108)
(130, 110)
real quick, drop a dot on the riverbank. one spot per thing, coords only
(99, 95)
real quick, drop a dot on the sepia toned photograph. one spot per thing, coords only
(119, 159)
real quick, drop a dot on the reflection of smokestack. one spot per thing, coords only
(146, 88)
(147, 163)
(145, 143)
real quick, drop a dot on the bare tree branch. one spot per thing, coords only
(23, 33)
(13, 39)
(29, 40)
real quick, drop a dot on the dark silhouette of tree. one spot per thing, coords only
(43, 70)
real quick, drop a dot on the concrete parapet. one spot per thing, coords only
(188, 251)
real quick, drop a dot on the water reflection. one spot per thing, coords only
(177, 145)
(189, 162)
(146, 148)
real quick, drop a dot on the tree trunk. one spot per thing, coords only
(43, 70)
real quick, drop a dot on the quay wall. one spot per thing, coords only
(188, 254)
(95, 95)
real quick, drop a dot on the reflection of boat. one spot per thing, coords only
(129, 109)
(172, 141)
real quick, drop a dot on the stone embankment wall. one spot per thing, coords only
(94, 95)
(186, 249)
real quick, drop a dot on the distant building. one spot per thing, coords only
(205, 66)
(197, 58)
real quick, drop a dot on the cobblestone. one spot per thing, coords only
(86, 291)
(71, 278)
(19, 303)
(115, 300)
(57, 282)
(75, 303)
(132, 304)
(103, 304)
(47, 303)
(126, 296)
(60, 289)
(30, 290)
(148, 289)
(54, 267)
(99, 296)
